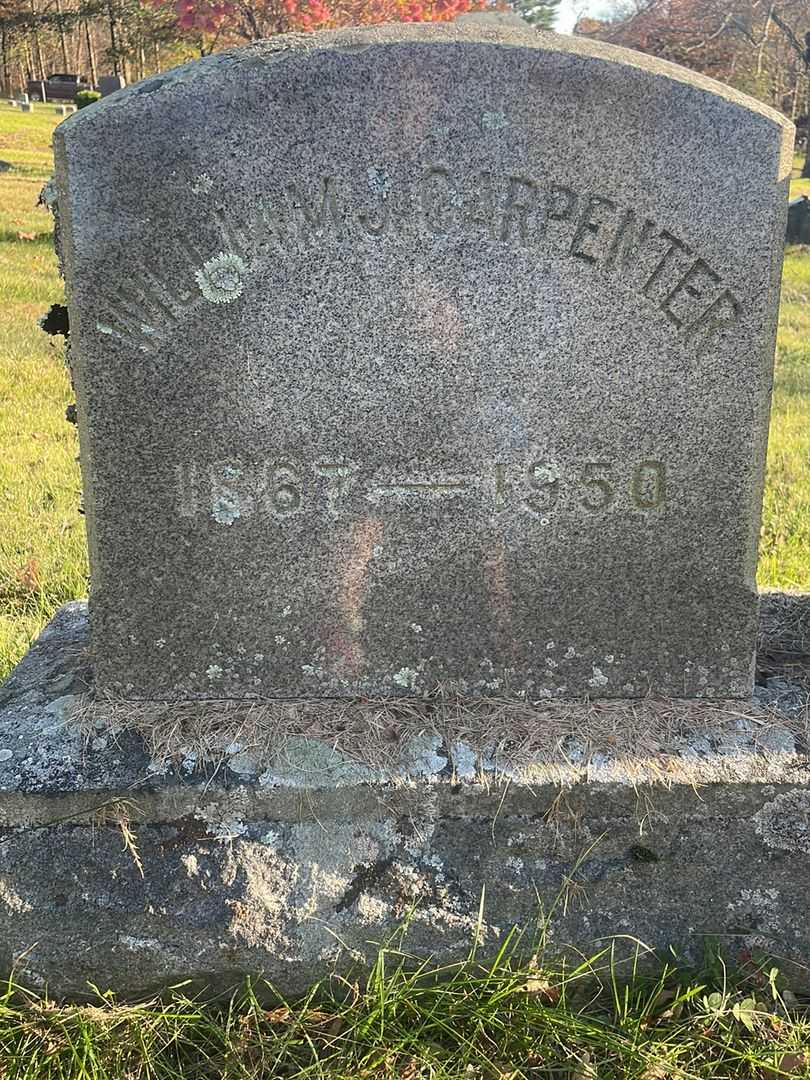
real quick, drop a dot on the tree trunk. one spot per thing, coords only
(91, 53)
(39, 67)
(36, 50)
(6, 69)
(62, 41)
(806, 166)
(75, 49)
(113, 40)
(794, 101)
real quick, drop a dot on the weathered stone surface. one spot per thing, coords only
(423, 355)
(295, 871)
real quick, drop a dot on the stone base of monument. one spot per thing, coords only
(133, 857)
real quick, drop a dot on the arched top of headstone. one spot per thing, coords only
(475, 31)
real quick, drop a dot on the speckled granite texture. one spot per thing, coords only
(296, 871)
(423, 355)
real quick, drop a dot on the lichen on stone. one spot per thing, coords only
(221, 279)
(784, 823)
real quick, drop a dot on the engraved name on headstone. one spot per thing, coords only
(423, 356)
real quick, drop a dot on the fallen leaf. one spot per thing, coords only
(28, 576)
(542, 988)
(795, 1064)
(281, 1015)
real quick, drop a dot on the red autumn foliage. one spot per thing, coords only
(756, 45)
(253, 19)
(700, 34)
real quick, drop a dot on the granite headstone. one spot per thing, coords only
(423, 356)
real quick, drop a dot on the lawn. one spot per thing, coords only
(512, 1019)
(42, 544)
(42, 547)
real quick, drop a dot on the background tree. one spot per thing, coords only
(214, 23)
(134, 38)
(761, 47)
(90, 37)
(541, 14)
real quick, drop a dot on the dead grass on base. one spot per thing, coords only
(502, 736)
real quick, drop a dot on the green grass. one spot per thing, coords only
(512, 1019)
(42, 549)
(784, 557)
(785, 544)
(42, 545)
